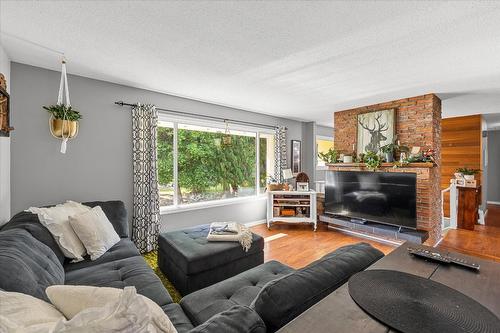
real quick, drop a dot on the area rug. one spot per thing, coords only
(152, 260)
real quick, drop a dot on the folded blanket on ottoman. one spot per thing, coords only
(230, 232)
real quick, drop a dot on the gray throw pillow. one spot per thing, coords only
(283, 299)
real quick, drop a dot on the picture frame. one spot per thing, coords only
(375, 129)
(302, 187)
(296, 156)
(5, 127)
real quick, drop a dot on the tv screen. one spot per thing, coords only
(383, 197)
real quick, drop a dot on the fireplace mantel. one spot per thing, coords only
(383, 165)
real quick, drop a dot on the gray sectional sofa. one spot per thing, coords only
(269, 295)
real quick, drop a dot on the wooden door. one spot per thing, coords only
(468, 205)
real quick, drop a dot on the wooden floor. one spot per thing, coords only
(483, 241)
(299, 245)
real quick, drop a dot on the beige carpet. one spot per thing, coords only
(152, 260)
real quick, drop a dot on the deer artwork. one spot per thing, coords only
(376, 132)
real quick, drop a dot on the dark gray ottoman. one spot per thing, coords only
(191, 262)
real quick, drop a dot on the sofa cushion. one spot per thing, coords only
(238, 290)
(192, 253)
(27, 265)
(133, 271)
(237, 319)
(116, 213)
(125, 248)
(178, 317)
(277, 305)
(29, 222)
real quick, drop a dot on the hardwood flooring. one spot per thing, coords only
(483, 241)
(298, 245)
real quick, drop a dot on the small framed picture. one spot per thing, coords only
(415, 150)
(302, 187)
(296, 156)
(287, 174)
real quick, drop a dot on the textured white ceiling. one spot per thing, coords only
(301, 60)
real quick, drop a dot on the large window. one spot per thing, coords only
(199, 163)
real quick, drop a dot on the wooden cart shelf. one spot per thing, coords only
(301, 204)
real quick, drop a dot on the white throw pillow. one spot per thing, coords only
(21, 313)
(95, 231)
(56, 220)
(103, 309)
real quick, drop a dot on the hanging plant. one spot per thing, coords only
(227, 138)
(63, 112)
(63, 121)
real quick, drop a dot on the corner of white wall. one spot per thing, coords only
(5, 151)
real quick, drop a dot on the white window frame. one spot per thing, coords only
(176, 120)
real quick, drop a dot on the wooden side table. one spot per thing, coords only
(468, 207)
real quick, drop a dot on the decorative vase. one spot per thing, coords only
(469, 177)
(389, 157)
(347, 159)
(66, 128)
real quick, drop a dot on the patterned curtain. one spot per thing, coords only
(279, 153)
(146, 211)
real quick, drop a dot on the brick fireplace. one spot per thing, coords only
(418, 123)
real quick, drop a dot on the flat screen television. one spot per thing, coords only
(382, 197)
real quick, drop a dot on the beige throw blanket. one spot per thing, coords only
(230, 232)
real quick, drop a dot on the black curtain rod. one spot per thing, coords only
(194, 115)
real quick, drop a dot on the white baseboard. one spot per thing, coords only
(493, 202)
(254, 223)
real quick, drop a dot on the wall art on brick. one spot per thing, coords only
(375, 129)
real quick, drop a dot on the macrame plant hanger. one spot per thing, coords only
(64, 92)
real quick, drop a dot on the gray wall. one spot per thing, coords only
(324, 131)
(494, 166)
(309, 151)
(98, 163)
(4, 150)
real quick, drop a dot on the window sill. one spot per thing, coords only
(166, 210)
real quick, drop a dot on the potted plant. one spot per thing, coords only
(467, 173)
(372, 161)
(388, 151)
(330, 157)
(63, 120)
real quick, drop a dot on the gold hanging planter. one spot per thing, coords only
(63, 121)
(61, 129)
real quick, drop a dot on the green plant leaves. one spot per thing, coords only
(63, 112)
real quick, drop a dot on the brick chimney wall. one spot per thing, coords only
(418, 123)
